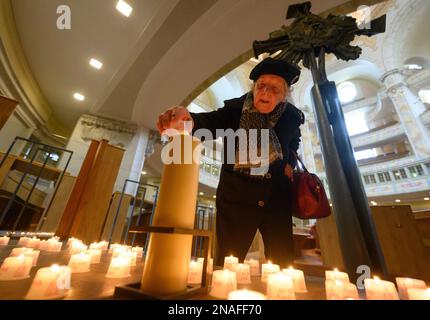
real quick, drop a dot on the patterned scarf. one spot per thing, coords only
(251, 118)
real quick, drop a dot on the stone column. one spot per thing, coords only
(409, 108)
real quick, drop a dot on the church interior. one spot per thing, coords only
(82, 84)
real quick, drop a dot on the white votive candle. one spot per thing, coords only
(336, 275)
(210, 265)
(230, 263)
(268, 268)
(223, 282)
(280, 287)
(33, 243)
(298, 279)
(138, 250)
(129, 255)
(23, 241)
(95, 254)
(26, 252)
(245, 295)
(195, 273)
(16, 268)
(4, 241)
(50, 283)
(339, 290)
(243, 273)
(403, 284)
(119, 268)
(80, 262)
(254, 266)
(419, 294)
(377, 289)
(55, 246)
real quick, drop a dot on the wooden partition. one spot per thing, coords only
(422, 220)
(7, 106)
(402, 245)
(88, 205)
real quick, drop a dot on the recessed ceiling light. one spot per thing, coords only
(397, 200)
(413, 67)
(124, 8)
(79, 96)
(201, 193)
(143, 172)
(426, 199)
(96, 63)
(214, 197)
(374, 203)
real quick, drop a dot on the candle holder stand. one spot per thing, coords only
(133, 291)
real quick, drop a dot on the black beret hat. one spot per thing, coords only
(282, 68)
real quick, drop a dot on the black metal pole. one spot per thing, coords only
(31, 192)
(352, 173)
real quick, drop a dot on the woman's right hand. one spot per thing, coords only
(175, 118)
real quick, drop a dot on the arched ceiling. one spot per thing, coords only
(153, 59)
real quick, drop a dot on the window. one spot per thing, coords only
(370, 179)
(416, 171)
(347, 92)
(400, 174)
(384, 177)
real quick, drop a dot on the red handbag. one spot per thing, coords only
(309, 197)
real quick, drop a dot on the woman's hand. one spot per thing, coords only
(288, 171)
(174, 118)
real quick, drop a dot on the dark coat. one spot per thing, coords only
(237, 188)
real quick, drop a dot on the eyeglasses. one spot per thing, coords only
(272, 89)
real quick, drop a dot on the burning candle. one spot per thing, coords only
(403, 284)
(377, 289)
(80, 262)
(118, 250)
(26, 252)
(129, 255)
(210, 265)
(50, 283)
(280, 287)
(245, 295)
(96, 255)
(54, 246)
(419, 294)
(254, 267)
(195, 272)
(23, 241)
(339, 290)
(336, 275)
(4, 241)
(16, 268)
(223, 282)
(119, 268)
(33, 243)
(243, 274)
(298, 279)
(230, 263)
(138, 250)
(268, 268)
(77, 247)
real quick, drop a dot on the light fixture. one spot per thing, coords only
(347, 92)
(214, 197)
(426, 199)
(143, 172)
(201, 193)
(79, 96)
(124, 8)
(96, 63)
(397, 200)
(424, 96)
(413, 67)
(374, 203)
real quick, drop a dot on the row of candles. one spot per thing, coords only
(286, 283)
(54, 282)
(281, 284)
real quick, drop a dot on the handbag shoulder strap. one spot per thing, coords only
(300, 161)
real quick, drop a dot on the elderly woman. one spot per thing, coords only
(246, 202)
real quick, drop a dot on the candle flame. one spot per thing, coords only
(290, 268)
(376, 278)
(338, 283)
(55, 267)
(336, 270)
